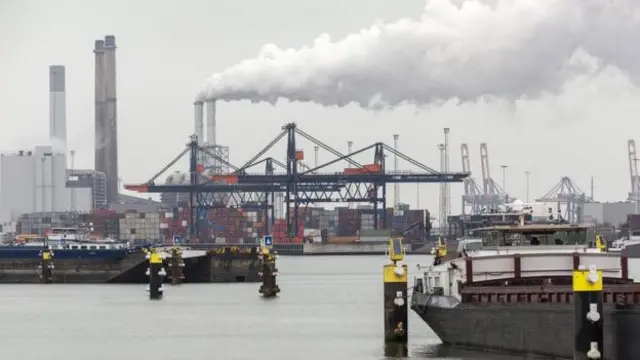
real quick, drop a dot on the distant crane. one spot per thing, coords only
(494, 195)
(473, 198)
(634, 195)
(568, 195)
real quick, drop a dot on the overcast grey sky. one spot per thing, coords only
(166, 50)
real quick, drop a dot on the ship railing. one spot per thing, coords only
(612, 294)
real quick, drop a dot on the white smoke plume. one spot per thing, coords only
(461, 50)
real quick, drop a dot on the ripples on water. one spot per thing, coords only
(329, 308)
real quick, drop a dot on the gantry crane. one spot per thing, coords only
(568, 195)
(494, 195)
(361, 183)
(473, 198)
(634, 194)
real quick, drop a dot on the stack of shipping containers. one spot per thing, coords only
(104, 223)
(255, 227)
(280, 236)
(348, 226)
(400, 218)
(39, 223)
(140, 228)
(328, 223)
(368, 233)
(174, 222)
(232, 226)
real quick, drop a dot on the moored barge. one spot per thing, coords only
(510, 289)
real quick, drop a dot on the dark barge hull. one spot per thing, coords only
(132, 269)
(543, 329)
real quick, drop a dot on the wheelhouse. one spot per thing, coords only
(534, 235)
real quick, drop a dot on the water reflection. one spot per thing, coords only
(396, 350)
(439, 351)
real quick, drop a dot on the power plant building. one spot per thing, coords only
(35, 181)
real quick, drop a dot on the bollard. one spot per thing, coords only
(587, 300)
(156, 274)
(269, 287)
(46, 266)
(176, 266)
(395, 276)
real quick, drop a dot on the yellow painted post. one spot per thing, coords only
(46, 266)
(395, 278)
(587, 300)
(269, 287)
(156, 274)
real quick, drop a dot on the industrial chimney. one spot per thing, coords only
(211, 122)
(57, 108)
(100, 136)
(199, 121)
(110, 119)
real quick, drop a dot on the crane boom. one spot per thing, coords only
(486, 175)
(633, 170)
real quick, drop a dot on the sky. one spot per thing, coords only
(167, 49)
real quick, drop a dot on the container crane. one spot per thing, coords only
(568, 195)
(494, 195)
(634, 195)
(473, 198)
(362, 183)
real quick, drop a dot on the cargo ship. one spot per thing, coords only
(509, 288)
(66, 243)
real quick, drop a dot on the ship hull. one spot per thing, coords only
(528, 329)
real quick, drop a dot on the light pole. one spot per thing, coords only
(527, 173)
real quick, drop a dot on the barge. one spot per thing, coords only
(79, 259)
(509, 289)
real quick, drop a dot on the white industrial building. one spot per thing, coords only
(613, 213)
(36, 181)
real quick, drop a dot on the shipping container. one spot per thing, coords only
(136, 226)
(348, 222)
(372, 168)
(352, 171)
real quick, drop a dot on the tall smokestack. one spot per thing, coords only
(111, 118)
(57, 108)
(211, 122)
(199, 121)
(100, 136)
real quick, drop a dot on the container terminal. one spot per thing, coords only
(216, 205)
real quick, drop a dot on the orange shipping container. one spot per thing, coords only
(228, 179)
(352, 171)
(374, 168)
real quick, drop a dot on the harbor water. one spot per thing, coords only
(330, 308)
